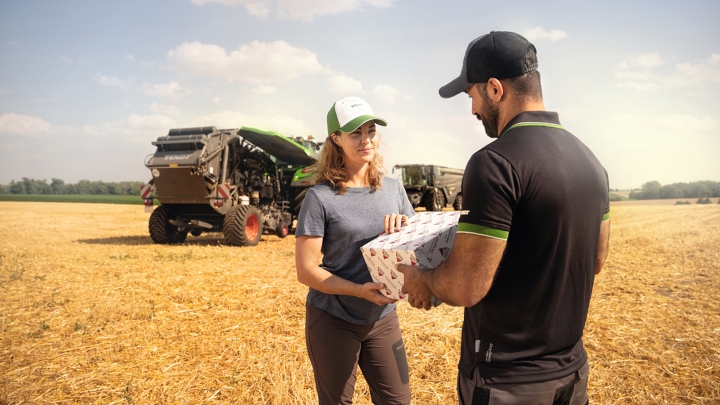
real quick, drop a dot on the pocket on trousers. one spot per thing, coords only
(398, 349)
(313, 315)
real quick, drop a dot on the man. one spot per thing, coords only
(535, 235)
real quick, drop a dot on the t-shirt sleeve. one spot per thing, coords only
(311, 219)
(606, 207)
(491, 190)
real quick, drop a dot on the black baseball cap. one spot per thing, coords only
(499, 54)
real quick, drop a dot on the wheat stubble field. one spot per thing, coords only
(92, 312)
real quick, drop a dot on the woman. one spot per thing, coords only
(348, 321)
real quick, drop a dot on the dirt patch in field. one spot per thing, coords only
(92, 312)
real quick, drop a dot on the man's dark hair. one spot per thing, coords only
(527, 86)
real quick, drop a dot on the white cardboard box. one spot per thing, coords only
(426, 241)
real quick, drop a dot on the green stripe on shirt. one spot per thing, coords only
(464, 227)
(606, 216)
(533, 124)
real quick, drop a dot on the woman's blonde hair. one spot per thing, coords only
(331, 167)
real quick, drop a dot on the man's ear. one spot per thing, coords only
(494, 89)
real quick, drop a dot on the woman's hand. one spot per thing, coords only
(393, 222)
(372, 293)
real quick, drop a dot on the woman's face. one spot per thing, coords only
(359, 146)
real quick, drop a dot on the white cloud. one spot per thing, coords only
(265, 90)
(385, 93)
(298, 9)
(541, 33)
(394, 120)
(164, 109)
(24, 125)
(216, 100)
(645, 60)
(255, 63)
(5, 91)
(112, 81)
(129, 57)
(640, 72)
(343, 85)
(66, 59)
(709, 71)
(170, 90)
(670, 124)
(282, 124)
(135, 128)
(686, 123)
(408, 97)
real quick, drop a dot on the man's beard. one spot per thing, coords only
(490, 115)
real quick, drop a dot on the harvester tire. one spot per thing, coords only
(457, 204)
(298, 202)
(242, 226)
(161, 230)
(434, 200)
(282, 230)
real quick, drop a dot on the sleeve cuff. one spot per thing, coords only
(464, 227)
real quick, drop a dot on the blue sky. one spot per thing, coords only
(86, 86)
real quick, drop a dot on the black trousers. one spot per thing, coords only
(336, 347)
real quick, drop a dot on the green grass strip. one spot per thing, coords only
(74, 198)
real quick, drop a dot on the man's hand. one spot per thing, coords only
(393, 222)
(372, 293)
(419, 294)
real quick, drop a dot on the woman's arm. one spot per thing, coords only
(307, 253)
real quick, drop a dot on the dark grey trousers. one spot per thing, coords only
(336, 347)
(570, 390)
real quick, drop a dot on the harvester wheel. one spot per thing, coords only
(196, 232)
(434, 200)
(242, 226)
(161, 230)
(298, 202)
(457, 204)
(282, 230)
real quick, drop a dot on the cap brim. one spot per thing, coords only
(359, 121)
(454, 88)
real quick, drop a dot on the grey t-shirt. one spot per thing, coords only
(346, 222)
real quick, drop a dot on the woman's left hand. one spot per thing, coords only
(393, 222)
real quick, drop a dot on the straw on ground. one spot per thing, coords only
(92, 312)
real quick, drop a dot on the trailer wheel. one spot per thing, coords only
(282, 230)
(242, 226)
(434, 200)
(161, 230)
(457, 204)
(196, 232)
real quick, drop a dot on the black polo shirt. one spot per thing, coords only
(541, 189)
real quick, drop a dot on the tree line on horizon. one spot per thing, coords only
(83, 187)
(653, 190)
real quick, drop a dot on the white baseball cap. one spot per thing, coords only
(349, 113)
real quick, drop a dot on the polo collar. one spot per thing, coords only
(533, 119)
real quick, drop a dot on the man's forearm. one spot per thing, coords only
(437, 282)
(467, 276)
